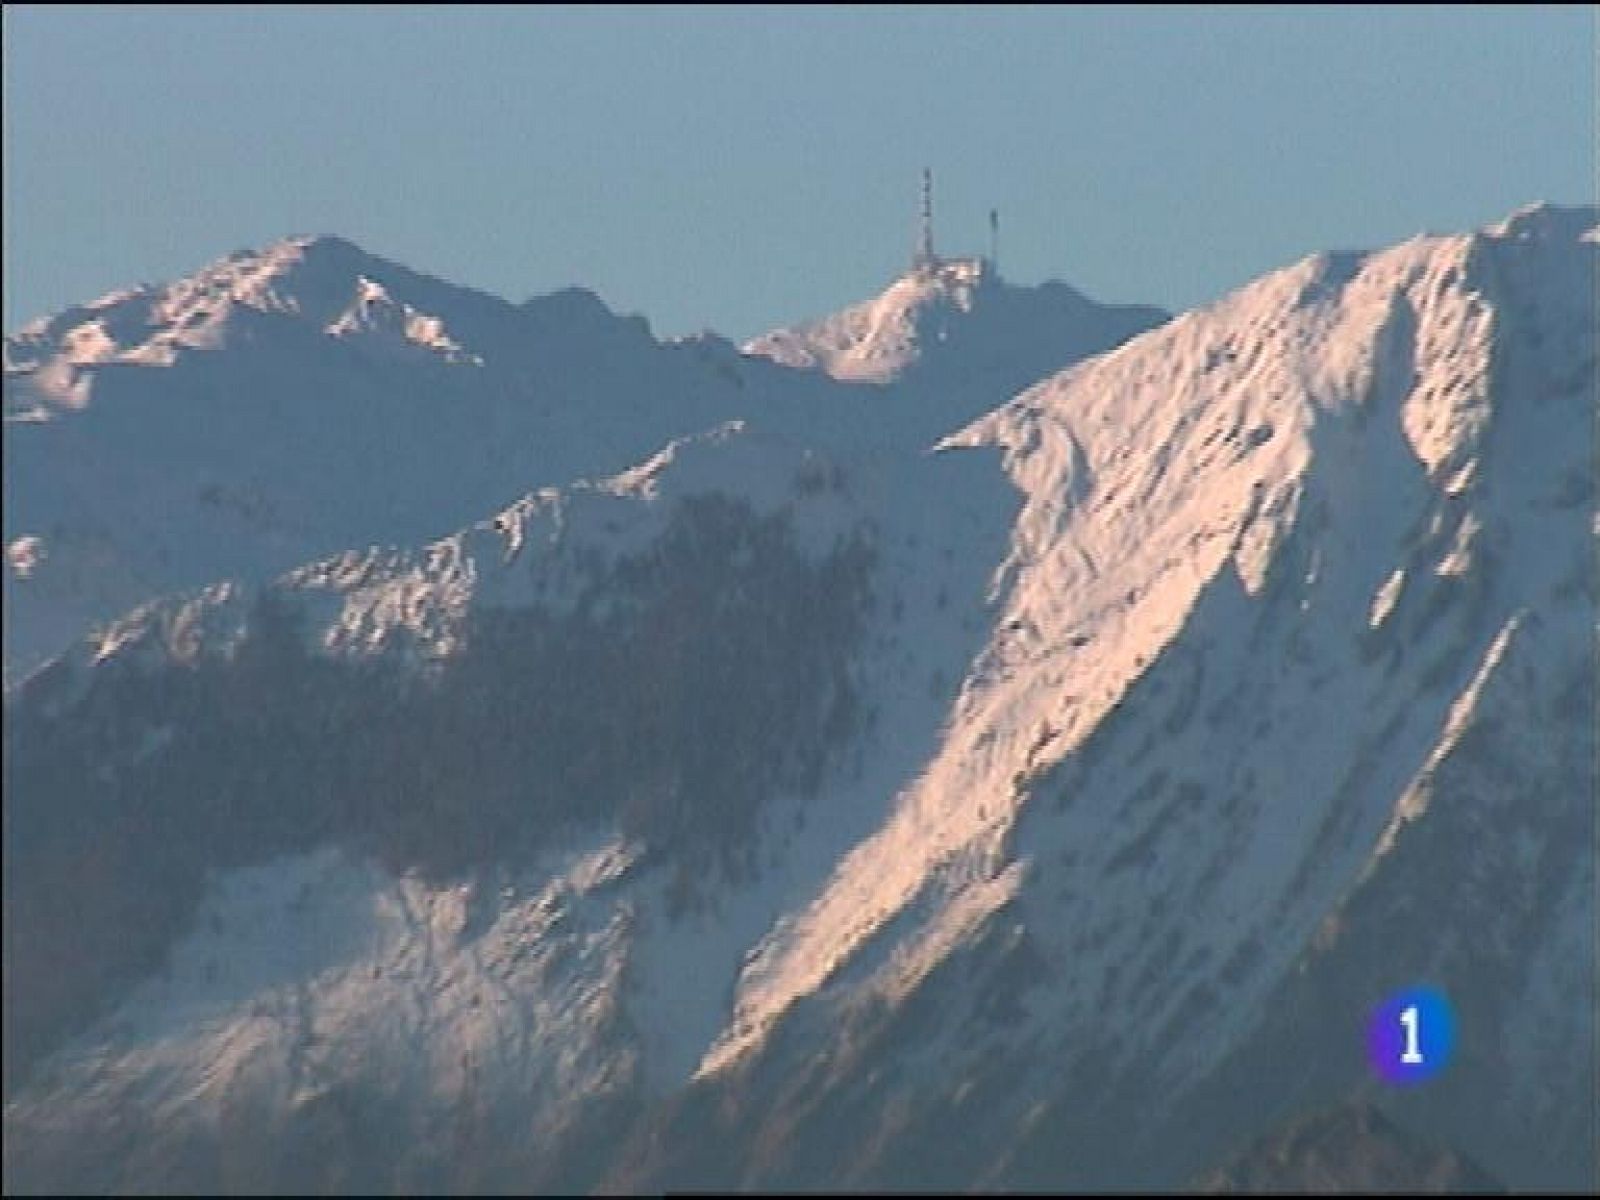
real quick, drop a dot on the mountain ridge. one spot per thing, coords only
(297, 401)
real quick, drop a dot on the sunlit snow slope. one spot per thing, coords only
(1288, 702)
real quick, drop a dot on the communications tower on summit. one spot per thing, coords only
(924, 260)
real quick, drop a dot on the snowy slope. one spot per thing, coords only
(801, 808)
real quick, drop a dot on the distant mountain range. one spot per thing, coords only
(983, 739)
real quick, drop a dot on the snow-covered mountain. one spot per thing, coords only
(804, 808)
(1287, 703)
(291, 403)
(310, 397)
(957, 321)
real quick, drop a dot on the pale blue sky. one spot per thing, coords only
(740, 168)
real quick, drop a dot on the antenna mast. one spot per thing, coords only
(924, 259)
(994, 240)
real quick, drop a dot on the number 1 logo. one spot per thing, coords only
(1412, 1056)
(1411, 1036)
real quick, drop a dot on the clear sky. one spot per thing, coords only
(737, 168)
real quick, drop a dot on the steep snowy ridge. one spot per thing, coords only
(1189, 753)
(794, 805)
(1143, 474)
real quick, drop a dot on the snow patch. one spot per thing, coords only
(1414, 801)
(24, 554)
(1384, 600)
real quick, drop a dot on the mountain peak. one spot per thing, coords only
(150, 325)
(958, 309)
(1544, 221)
(951, 276)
